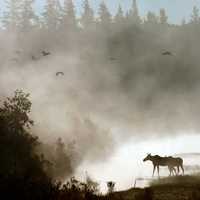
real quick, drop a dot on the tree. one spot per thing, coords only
(20, 158)
(104, 15)
(195, 19)
(119, 17)
(163, 16)
(152, 18)
(15, 112)
(11, 17)
(69, 15)
(22, 175)
(134, 13)
(52, 14)
(87, 18)
(28, 17)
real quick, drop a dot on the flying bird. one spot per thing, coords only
(167, 53)
(60, 74)
(45, 53)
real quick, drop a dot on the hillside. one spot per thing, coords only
(172, 188)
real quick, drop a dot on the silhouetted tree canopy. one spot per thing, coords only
(17, 145)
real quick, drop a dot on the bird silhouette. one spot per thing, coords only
(45, 53)
(167, 53)
(60, 74)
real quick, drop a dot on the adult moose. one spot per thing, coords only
(171, 162)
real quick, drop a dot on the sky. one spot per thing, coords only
(176, 9)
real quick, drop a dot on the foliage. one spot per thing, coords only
(104, 15)
(68, 15)
(87, 18)
(21, 168)
(11, 17)
(52, 15)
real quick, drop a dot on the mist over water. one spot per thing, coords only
(116, 85)
(126, 165)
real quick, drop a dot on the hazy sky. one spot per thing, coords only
(176, 9)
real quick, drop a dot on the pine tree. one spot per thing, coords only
(11, 17)
(119, 17)
(104, 15)
(28, 17)
(134, 13)
(52, 14)
(195, 19)
(163, 16)
(152, 18)
(69, 15)
(87, 18)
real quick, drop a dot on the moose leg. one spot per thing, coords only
(154, 167)
(158, 171)
(182, 169)
(174, 171)
(178, 169)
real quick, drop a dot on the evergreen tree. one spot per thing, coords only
(134, 13)
(11, 17)
(119, 17)
(52, 14)
(14, 126)
(104, 15)
(22, 169)
(28, 17)
(152, 18)
(87, 18)
(195, 19)
(163, 16)
(69, 15)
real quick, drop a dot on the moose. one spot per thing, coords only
(169, 161)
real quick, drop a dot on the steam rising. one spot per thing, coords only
(115, 86)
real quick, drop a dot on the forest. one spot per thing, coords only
(108, 70)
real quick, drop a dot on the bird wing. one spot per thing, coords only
(59, 73)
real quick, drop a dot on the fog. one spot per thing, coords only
(117, 84)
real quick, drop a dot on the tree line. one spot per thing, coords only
(20, 15)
